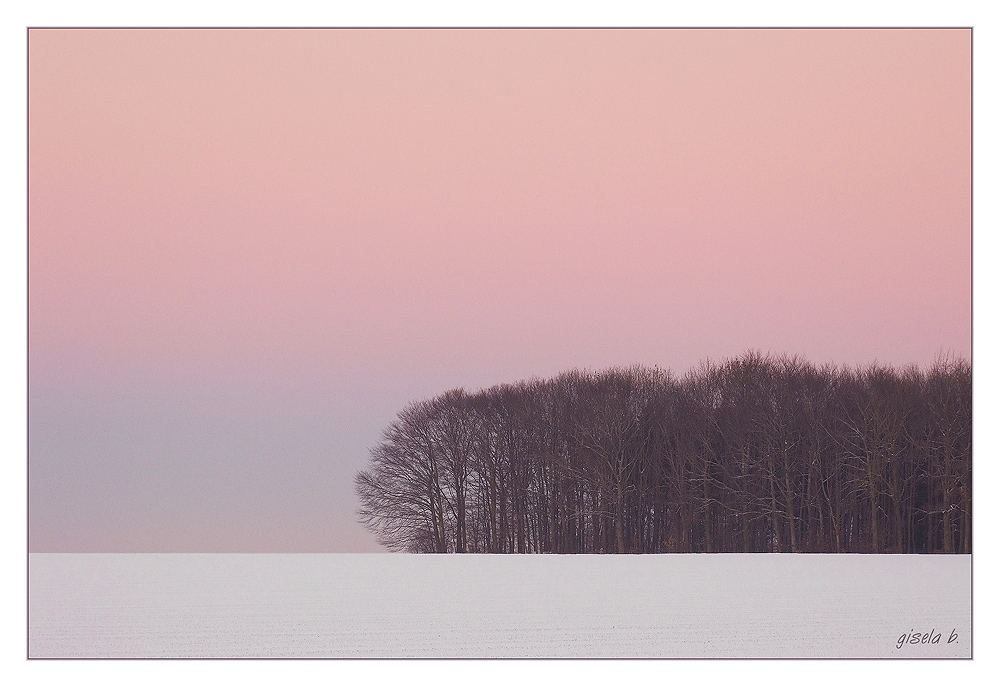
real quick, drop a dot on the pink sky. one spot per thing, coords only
(347, 220)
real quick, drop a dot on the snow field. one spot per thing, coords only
(440, 606)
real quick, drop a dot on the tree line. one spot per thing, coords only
(753, 454)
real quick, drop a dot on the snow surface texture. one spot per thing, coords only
(439, 606)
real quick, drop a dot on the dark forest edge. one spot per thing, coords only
(753, 454)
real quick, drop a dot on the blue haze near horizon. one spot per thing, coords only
(125, 460)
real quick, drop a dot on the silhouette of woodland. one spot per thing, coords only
(755, 454)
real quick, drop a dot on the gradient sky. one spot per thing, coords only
(249, 249)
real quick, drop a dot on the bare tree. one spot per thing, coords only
(758, 453)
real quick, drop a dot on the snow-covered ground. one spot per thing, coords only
(398, 605)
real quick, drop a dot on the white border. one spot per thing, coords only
(508, 13)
